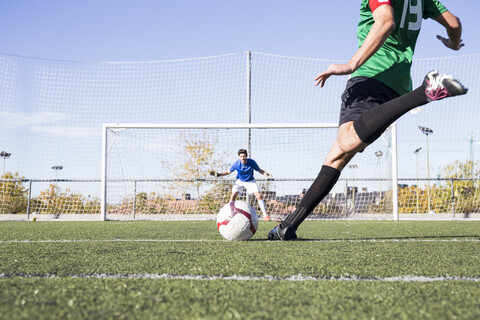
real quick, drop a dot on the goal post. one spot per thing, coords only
(151, 171)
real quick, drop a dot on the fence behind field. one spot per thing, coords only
(451, 197)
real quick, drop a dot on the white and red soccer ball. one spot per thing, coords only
(237, 221)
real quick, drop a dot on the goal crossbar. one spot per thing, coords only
(218, 126)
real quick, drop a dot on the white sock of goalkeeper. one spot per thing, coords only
(262, 206)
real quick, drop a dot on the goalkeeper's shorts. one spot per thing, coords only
(250, 186)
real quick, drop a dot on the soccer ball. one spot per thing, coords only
(237, 221)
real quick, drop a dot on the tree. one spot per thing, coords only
(150, 203)
(49, 200)
(466, 192)
(213, 199)
(54, 201)
(13, 195)
(197, 156)
(459, 169)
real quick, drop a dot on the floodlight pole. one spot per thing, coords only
(416, 153)
(353, 167)
(426, 131)
(56, 169)
(5, 156)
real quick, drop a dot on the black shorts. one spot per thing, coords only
(362, 94)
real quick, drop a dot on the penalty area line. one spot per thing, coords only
(294, 278)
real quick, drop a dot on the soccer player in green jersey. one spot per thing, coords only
(379, 90)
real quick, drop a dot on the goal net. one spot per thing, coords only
(162, 171)
(53, 112)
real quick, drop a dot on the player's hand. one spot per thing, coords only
(448, 44)
(214, 173)
(269, 176)
(333, 70)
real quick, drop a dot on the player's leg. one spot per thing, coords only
(361, 103)
(341, 152)
(252, 188)
(347, 144)
(233, 196)
(360, 95)
(371, 124)
(261, 203)
(236, 190)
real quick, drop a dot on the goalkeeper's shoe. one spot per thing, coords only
(284, 234)
(440, 86)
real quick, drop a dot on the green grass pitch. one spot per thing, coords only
(185, 270)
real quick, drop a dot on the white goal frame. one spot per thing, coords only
(107, 126)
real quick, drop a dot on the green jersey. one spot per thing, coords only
(391, 64)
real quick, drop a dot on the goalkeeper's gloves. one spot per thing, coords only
(269, 176)
(214, 173)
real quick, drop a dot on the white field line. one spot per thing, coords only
(298, 278)
(220, 240)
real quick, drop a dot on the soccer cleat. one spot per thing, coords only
(284, 234)
(266, 218)
(440, 86)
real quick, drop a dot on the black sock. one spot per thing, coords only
(322, 185)
(375, 121)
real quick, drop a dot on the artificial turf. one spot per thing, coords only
(185, 270)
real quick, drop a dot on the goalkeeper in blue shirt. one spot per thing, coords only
(245, 168)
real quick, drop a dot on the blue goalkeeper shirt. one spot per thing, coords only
(245, 171)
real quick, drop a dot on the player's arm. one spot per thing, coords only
(220, 174)
(384, 24)
(454, 30)
(265, 173)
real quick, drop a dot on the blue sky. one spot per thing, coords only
(146, 30)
